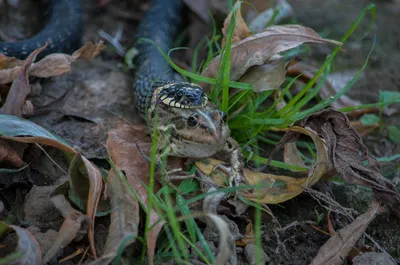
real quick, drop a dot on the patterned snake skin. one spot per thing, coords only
(63, 30)
(160, 24)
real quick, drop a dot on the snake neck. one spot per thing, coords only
(160, 24)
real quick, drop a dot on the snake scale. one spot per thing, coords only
(189, 125)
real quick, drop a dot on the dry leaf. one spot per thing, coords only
(259, 48)
(276, 188)
(249, 236)
(124, 218)
(122, 145)
(363, 129)
(336, 249)
(53, 64)
(240, 32)
(268, 76)
(349, 156)
(20, 88)
(9, 156)
(74, 223)
(291, 155)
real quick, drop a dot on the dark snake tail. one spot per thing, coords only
(160, 24)
(63, 29)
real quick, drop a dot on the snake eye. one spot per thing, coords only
(179, 94)
(223, 116)
(193, 120)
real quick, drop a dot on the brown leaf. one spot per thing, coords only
(363, 129)
(122, 145)
(20, 88)
(348, 155)
(53, 64)
(124, 218)
(276, 188)
(240, 32)
(259, 48)
(336, 249)
(9, 155)
(75, 224)
(249, 236)
(291, 155)
(268, 76)
(88, 51)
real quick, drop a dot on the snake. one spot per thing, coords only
(189, 125)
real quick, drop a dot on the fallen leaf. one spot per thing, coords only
(125, 219)
(363, 129)
(9, 156)
(53, 64)
(259, 48)
(27, 251)
(275, 189)
(268, 76)
(20, 88)
(336, 249)
(349, 156)
(291, 155)
(249, 236)
(240, 32)
(75, 223)
(123, 146)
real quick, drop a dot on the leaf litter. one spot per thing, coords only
(121, 148)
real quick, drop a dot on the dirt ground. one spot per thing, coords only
(95, 97)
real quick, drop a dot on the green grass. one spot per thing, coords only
(250, 120)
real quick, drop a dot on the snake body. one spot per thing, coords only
(63, 30)
(154, 74)
(188, 124)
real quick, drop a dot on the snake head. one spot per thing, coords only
(196, 131)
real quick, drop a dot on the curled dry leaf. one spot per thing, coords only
(259, 48)
(20, 88)
(291, 155)
(75, 223)
(27, 252)
(336, 249)
(8, 155)
(276, 188)
(241, 30)
(349, 156)
(123, 146)
(52, 65)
